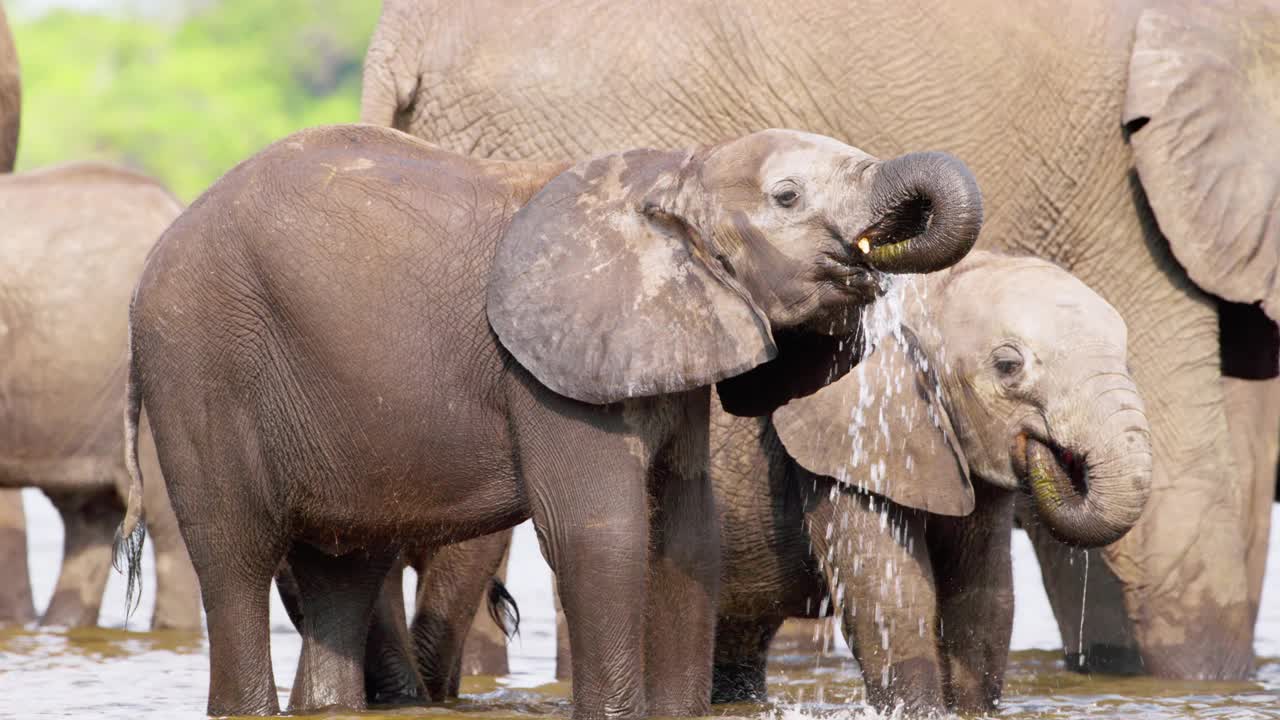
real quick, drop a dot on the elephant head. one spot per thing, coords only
(650, 272)
(1018, 377)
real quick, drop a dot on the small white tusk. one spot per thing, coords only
(864, 245)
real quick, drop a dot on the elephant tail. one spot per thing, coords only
(127, 548)
(503, 608)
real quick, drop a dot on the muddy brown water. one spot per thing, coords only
(117, 673)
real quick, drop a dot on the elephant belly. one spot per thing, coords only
(67, 473)
(449, 476)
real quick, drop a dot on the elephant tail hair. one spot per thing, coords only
(503, 608)
(127, 549)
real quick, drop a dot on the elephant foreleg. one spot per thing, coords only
(591, 517)
(881, 579)
(89, 522)
(684, 577)
(974, 574)
(1253, 417)
(16, 606)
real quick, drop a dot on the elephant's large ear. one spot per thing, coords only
(1203, 113)
(907, 448)
(603, 288)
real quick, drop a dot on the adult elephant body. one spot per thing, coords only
(74, 238)
(1093, 127)
(355, 343)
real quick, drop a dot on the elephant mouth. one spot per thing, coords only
(858, 283)
(890, 237)
(1049, 470)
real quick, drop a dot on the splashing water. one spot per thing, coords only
(867, 439)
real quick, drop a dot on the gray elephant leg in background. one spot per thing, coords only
(177, 587)
(1253, 414)
(89, 523)
(740, 672)
(564, 662)
(485, 651)
(390, 673)
(452, 581)
(16, 605)
(883, 585)
(338, 596)
(973, 571)
(1102, 639)
(1250, 366)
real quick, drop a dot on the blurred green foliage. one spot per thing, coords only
(186, 101)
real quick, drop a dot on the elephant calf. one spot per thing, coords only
(356, 344)
(860, 498)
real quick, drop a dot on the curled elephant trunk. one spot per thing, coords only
(1089, 498)
(929, 212)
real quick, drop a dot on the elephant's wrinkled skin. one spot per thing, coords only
(73, 239)
(1024, 372)
(1134, 143)
(311, 344)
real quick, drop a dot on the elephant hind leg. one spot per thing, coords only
(177, 587)
(89, 522)
(16, 606)
(337, 595)
(390, 673)
(452, 581)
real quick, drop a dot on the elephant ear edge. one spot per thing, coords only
(600, 289)
(921, 468)
(1202, 110)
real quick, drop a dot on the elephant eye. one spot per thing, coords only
(786, 198)
(1007, 361)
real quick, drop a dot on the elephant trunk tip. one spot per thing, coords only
(1080, 500)
(929, 212)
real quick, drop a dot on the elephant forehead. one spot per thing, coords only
(1035, 301)
(775, 154)
(824, 160)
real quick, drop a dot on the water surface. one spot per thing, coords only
(115, 673)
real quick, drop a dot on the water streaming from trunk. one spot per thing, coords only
(1084, 595)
